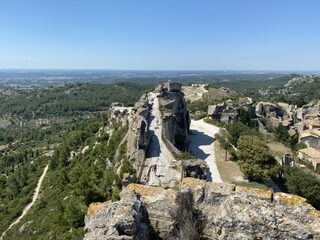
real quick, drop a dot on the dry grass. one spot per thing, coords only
(193, 94)
(229, 170)
(217, 94)
(250, 184)
(278, 148)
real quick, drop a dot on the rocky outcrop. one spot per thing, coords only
(128, 218)
(176, 128)
(268, 109)
(138, 133)
(176, 120)
(202, 210)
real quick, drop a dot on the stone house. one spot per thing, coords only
(214, 111)
(300, 126)
(223, 112)
(229, 115)
(173, 86)
(310, 137)
(311, 155)
(269, 110)
(312, 124)
(310, 116)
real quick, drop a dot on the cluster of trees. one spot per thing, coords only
(69, 100)
(237, 129)
(289, 141)
(253, 155)
(17, 187)
(304, 184)
(22, 162)
(72, 184)
(255, 159)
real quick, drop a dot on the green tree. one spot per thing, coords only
(74, 212)
(236, 130)
(283, 136)
(126, 167)
(223, 137)
(255, 159)
(304, 184)
(244, 116)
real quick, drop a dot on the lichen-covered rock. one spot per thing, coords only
(221, 211)
(118, 220)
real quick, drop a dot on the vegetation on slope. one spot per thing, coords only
(68, 100)
(72, 184)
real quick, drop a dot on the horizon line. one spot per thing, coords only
(155, 70)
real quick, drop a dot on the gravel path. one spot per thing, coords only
(202, 145)
(159, 165)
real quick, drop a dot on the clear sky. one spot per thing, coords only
(160, 34)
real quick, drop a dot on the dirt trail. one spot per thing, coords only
(28, 207)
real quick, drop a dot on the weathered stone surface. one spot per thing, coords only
(268, 109)
(257, 192)
(128, 219)
(118, 220)
(176, 120)
(225, 212)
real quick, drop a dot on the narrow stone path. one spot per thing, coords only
(28, 207)
(159, 165)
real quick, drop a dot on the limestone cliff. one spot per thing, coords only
(138, 133)
(202, 210)
(175, 114)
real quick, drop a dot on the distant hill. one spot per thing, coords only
(297, 90)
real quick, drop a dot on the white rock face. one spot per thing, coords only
(86, 148)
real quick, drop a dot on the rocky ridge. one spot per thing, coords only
(202, 210)
(192, 209)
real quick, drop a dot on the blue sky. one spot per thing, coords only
(160, 34)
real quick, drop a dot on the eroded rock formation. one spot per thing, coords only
(202, 210)
(175, 115)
